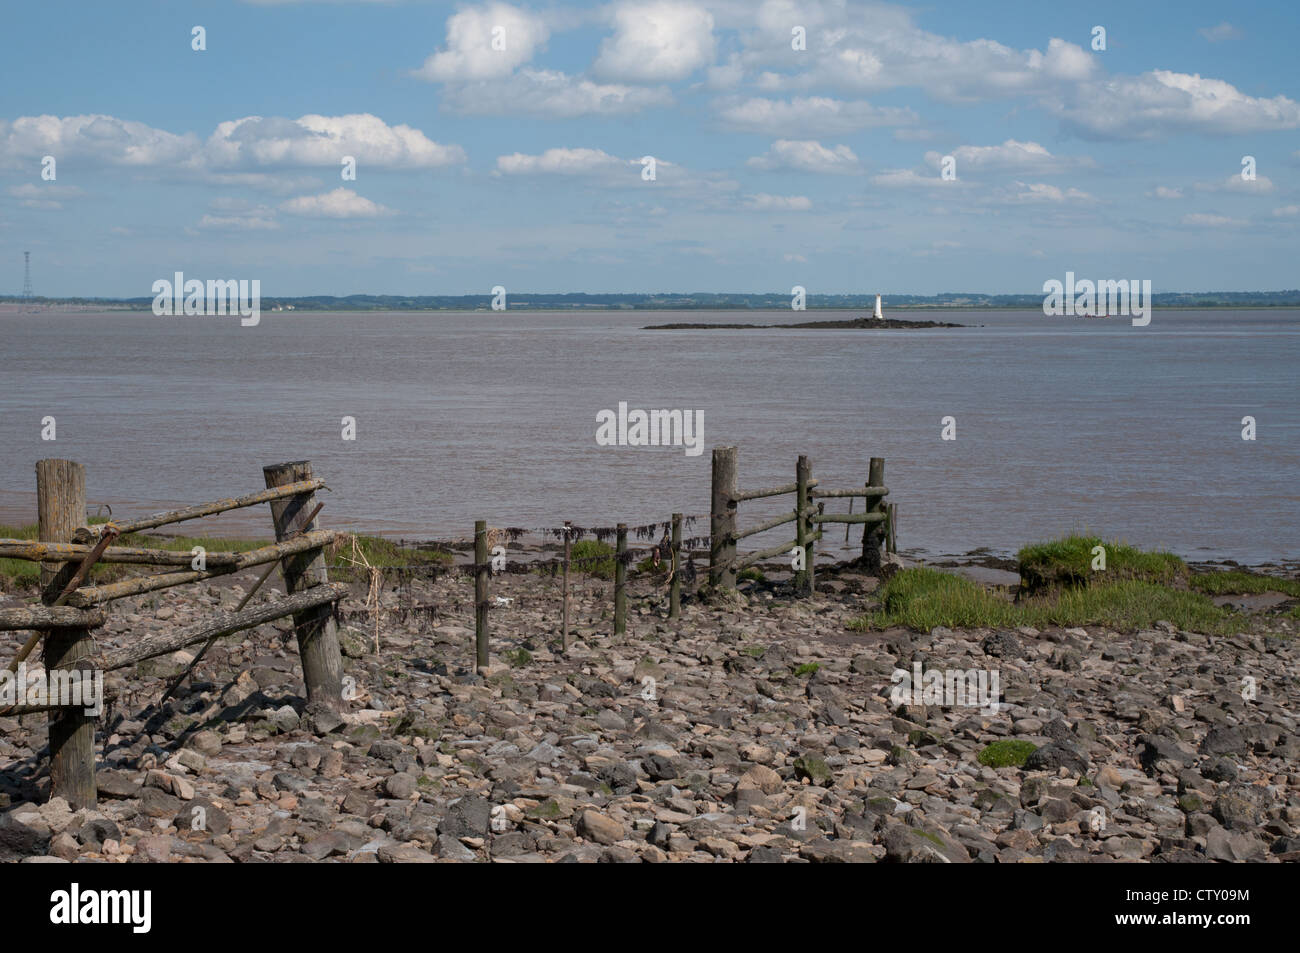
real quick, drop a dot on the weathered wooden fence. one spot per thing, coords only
(725, 564)
(69, 611)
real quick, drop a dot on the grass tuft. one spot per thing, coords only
(1067, 563)
(922, 599)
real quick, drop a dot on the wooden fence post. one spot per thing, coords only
(620, 581)
(481, 595)
(61, 506)
(722, 520)
(564, 630)
(675, 587)
(318, 638)
(803, 525)
(872, 535)
(891, 540)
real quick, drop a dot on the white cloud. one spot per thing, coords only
(1160, 102)
(323, 141)
(908, 178)
(551, 94)
(1035, 193)
(808, 116)
(265, 181)
(656, 41)
(562, 162)
(469, 52)
(595, 167)
(872, 47)
(252, 222)
(340, 203)
(1165, 192)
(807, 155)
(1287, 211)
(96, 137)
(44, 196)
(1260, 185)
(1217, 34)
(1022, 156)
(763, 202)
(1203, 220)
(866, 47)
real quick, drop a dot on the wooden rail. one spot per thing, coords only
(49, 617)
(36, 551)
(93, 595)
(269, 495)
(66, 559)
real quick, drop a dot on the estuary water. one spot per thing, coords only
(1060, 424)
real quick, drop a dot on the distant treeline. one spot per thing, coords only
(696, 301)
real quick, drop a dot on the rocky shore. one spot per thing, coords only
(758, 729)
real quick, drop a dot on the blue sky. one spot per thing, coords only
(774, 167)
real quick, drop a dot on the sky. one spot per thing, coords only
(505, 144)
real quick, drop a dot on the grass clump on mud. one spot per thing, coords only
(1009, 752)
(1068, 563)
(1236, 582)
(593, 557)
(921, 599)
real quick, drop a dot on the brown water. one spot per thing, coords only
(1062, 424)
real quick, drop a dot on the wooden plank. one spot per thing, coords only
(318, 637)
(743, 495)
(870, 518)
(221, 624)
(36, 551)
(271, 494)
(765, 526)
(748, 560)
(47, 617)
(867, 491)
(305, 544)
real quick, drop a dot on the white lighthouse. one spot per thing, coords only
(877, 315)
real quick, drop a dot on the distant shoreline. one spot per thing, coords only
(11, 309)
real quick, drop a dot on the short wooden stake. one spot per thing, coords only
(620, 581)
(564, 629)
(722, 520)
(675, 587)
(481, 594)
(872, 536)
(804, 530)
